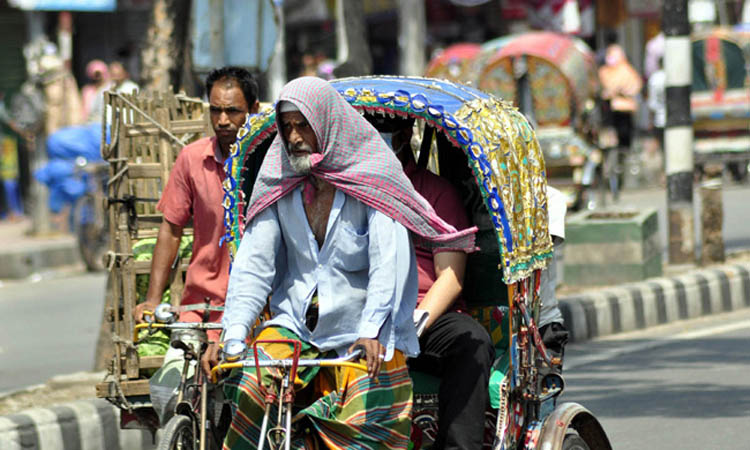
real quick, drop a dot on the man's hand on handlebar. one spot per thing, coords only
(374, 354)
(210, 358)
(140, 308)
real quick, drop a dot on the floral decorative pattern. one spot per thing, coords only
(256, 128)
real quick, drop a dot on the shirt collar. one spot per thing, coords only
(213, 151)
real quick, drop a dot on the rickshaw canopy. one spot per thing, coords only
(561, 74)
(454, 63)
(720, 59)
(500, 148)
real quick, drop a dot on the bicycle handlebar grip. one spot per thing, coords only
(163, 313)
(233, 350)
(359, 351)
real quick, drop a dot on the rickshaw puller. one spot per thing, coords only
(340, 269)
(194, 190)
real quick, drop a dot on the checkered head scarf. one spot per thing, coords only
(355, 159)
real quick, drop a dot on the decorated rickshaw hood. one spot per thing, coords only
(501, 149)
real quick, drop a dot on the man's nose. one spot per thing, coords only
(294, 137)
(224, 119)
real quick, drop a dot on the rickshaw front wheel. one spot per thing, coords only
(178, 434)
(573, 441)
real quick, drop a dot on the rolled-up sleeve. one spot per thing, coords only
(381, 287)
(252, 274)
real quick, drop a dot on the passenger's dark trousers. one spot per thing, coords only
(458, 349)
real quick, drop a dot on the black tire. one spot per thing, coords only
(178, 434)
(573, 441)
(91, 232)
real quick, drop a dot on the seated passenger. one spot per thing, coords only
(327, 238)
(551, 327)
(453, 346)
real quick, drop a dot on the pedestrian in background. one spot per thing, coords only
(621, 85)
(10, 186)
(657, 102)
(98, 73)
(120, 77)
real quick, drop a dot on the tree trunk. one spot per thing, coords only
(354, 56)
(712, 222)
(166, 49)
(411, 37)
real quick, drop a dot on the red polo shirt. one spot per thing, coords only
(194, 190)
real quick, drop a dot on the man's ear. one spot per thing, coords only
(255, 107)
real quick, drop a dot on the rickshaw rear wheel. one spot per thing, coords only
(178, 434)
(573, 441)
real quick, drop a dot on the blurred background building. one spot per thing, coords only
(131, 31)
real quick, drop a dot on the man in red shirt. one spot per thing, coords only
(194, 190)
(453, 346)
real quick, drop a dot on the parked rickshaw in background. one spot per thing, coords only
(720, 99)
(454, 63)
(489, 152)
(552, 79)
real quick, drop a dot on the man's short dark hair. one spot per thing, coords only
(247, 82)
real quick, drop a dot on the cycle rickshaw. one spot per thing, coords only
(552, 79)
(720, 99)
(488, 150)
(454, 63)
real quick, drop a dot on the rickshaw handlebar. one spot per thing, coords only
(174, 326)
(342, 361)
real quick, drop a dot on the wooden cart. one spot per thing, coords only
(146, 133)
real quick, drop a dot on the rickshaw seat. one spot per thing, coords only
(483, 282)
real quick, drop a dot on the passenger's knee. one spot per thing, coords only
(477, 342)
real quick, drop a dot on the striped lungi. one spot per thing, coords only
(346, 408)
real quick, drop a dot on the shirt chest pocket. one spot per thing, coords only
(351, 249)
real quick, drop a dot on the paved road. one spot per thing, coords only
(48, 328)
(683, 386)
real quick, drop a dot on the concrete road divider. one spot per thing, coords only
(83, 424)
(657, 301)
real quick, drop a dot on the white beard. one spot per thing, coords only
(300, 164)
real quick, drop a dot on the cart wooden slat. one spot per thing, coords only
(147, 131)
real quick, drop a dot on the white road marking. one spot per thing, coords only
(578, 361)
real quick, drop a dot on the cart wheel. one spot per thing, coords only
(573, 441)
(178, 434)
(91, 230)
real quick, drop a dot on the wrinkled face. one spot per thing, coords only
(300, 139)
(228, 109)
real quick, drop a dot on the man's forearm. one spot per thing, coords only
(165, 251)
(449, 268)
(440, 297)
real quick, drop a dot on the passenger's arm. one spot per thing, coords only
(449, 272)
(165, 251)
